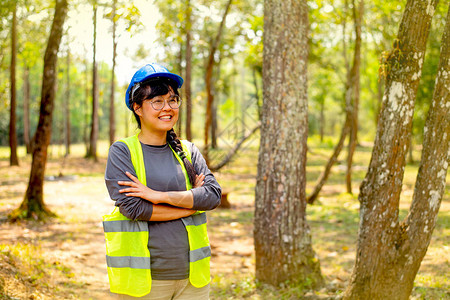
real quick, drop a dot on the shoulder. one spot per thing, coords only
(190, 146)
(196, 155)
(119, 148)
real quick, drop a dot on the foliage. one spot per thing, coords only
(239, 55)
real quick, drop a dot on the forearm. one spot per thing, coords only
(182, 199)
(167, 213)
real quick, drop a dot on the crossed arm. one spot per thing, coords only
(166, 205)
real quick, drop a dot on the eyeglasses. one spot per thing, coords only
(158, 104)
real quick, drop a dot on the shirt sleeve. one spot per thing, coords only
(206, 197)
(119, 161)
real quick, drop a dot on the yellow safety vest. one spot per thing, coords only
(127, 254)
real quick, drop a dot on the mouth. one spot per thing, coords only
(165, 118)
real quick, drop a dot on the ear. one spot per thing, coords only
(137, 109)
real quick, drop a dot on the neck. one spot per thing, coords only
(152, 137)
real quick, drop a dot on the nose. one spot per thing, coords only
(166, 105)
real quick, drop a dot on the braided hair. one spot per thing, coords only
(175, 143)
(158, 87)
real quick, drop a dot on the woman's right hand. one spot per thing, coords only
(199, 180)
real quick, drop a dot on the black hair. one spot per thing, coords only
(158, 87)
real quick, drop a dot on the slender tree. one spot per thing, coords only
(188, 71)
(389, 250)
(112, 121)
(33, 205)
(95, 104)
(282, 236)
(355, 90)
(208, 78)
(26, 108)
(13, 159)
(67, 101)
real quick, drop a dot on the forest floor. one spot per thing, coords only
(64, 258)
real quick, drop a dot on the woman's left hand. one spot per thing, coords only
(137, 189)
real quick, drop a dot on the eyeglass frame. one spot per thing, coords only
(164, 102)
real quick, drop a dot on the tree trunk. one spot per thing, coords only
(383, 262)
(208, 81)
(214, 125)
(322, 119)
(242, 101)
(188, 75)
(33, 205)
(355, 87)
(258, 100)
(112, 120)
(282, 236)
(180, 71)
(13, 159)
(86, 109)
(67, 105)
(26, 108)
(94, 120)
(214, 120)
(430, 183)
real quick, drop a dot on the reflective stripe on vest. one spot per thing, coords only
(127, 255)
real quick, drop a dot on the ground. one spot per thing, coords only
(64, 258)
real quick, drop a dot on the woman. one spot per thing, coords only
(157, 245)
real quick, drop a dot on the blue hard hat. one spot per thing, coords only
(146, 72)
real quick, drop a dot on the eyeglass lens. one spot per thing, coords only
(173, 103)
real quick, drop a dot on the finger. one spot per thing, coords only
(133, 195)
(129, 183)
(132, 177)
(128, 190)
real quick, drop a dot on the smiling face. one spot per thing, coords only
(157, 121)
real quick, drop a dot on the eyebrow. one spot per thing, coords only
(170, 98)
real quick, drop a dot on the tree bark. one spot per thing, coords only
(382, 268)
(355, 87)
(282, 236)
(430, 183)
(112, 120)
(208, 81)
(33, 205)
(13, 159)
(26, 108)
(94, 120)
(188, 75)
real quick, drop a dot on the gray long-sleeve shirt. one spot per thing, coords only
(168, 242)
